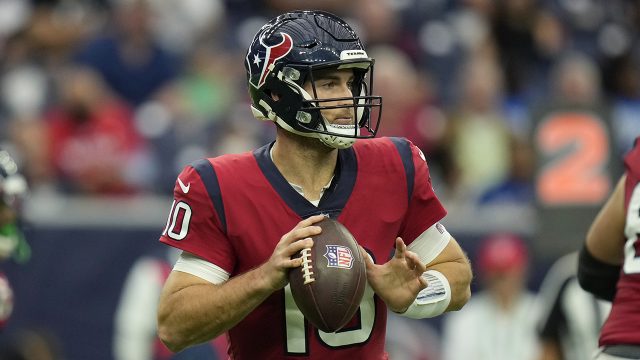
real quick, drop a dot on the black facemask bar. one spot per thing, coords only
(363, 101)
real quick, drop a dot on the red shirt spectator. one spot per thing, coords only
(92, 138)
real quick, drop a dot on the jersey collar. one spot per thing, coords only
(335, 196)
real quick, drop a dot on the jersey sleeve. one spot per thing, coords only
(424, 208)
(632, 160)
(195, 224)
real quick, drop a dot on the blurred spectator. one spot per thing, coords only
(135, 332)
(621, 78)
(27, 343)
(380, 23)
(182, 25)
(409, 108)
(56, 28)
(238, 133)
(575, 80)
(477, 135)
(411, 340)
(129, 57)
(498, 323)
(571, 318)
(517, 188)
(186, 119)
(205, 90)
(600, 30)
(93, 146)
(14, 14)
(526, 36)
(13, 190)
(338, 7)
(33, 52)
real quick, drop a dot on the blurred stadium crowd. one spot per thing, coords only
(112, 98)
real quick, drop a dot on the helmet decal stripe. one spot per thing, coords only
(274, 53)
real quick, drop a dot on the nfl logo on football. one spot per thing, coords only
(339, 257)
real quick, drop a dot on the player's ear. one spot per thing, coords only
(275, 96)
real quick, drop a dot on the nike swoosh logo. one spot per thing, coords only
(185, 188)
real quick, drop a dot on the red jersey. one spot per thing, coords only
(232, 211)
(622, 325)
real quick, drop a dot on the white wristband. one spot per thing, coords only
(432, 300)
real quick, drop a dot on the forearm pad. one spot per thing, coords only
(597, 277)
(432, 300)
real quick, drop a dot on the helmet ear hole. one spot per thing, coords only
(274, 95)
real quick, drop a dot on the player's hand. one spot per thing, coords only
(276, 269)
(399, 280)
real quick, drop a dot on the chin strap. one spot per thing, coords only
(336, 142)
(332, 141)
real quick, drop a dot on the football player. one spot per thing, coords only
(609, 263)
(13, 189)
(240, 218)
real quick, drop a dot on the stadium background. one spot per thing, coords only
(103, 102)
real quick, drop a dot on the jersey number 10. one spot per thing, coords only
(296, 327)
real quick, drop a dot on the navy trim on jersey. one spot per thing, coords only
(210, 180)
(407, 160)
(334, 198)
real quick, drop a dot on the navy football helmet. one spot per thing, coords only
(284, 55)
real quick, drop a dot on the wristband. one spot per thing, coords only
(432, 300)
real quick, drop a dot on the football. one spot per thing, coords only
(329, 285)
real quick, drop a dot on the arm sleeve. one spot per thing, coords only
(203, 269)
(597, 277)
(430, 243)
(194, 224)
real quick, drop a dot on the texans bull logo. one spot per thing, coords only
(272, 54)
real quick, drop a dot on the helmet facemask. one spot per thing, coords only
(301, 112)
